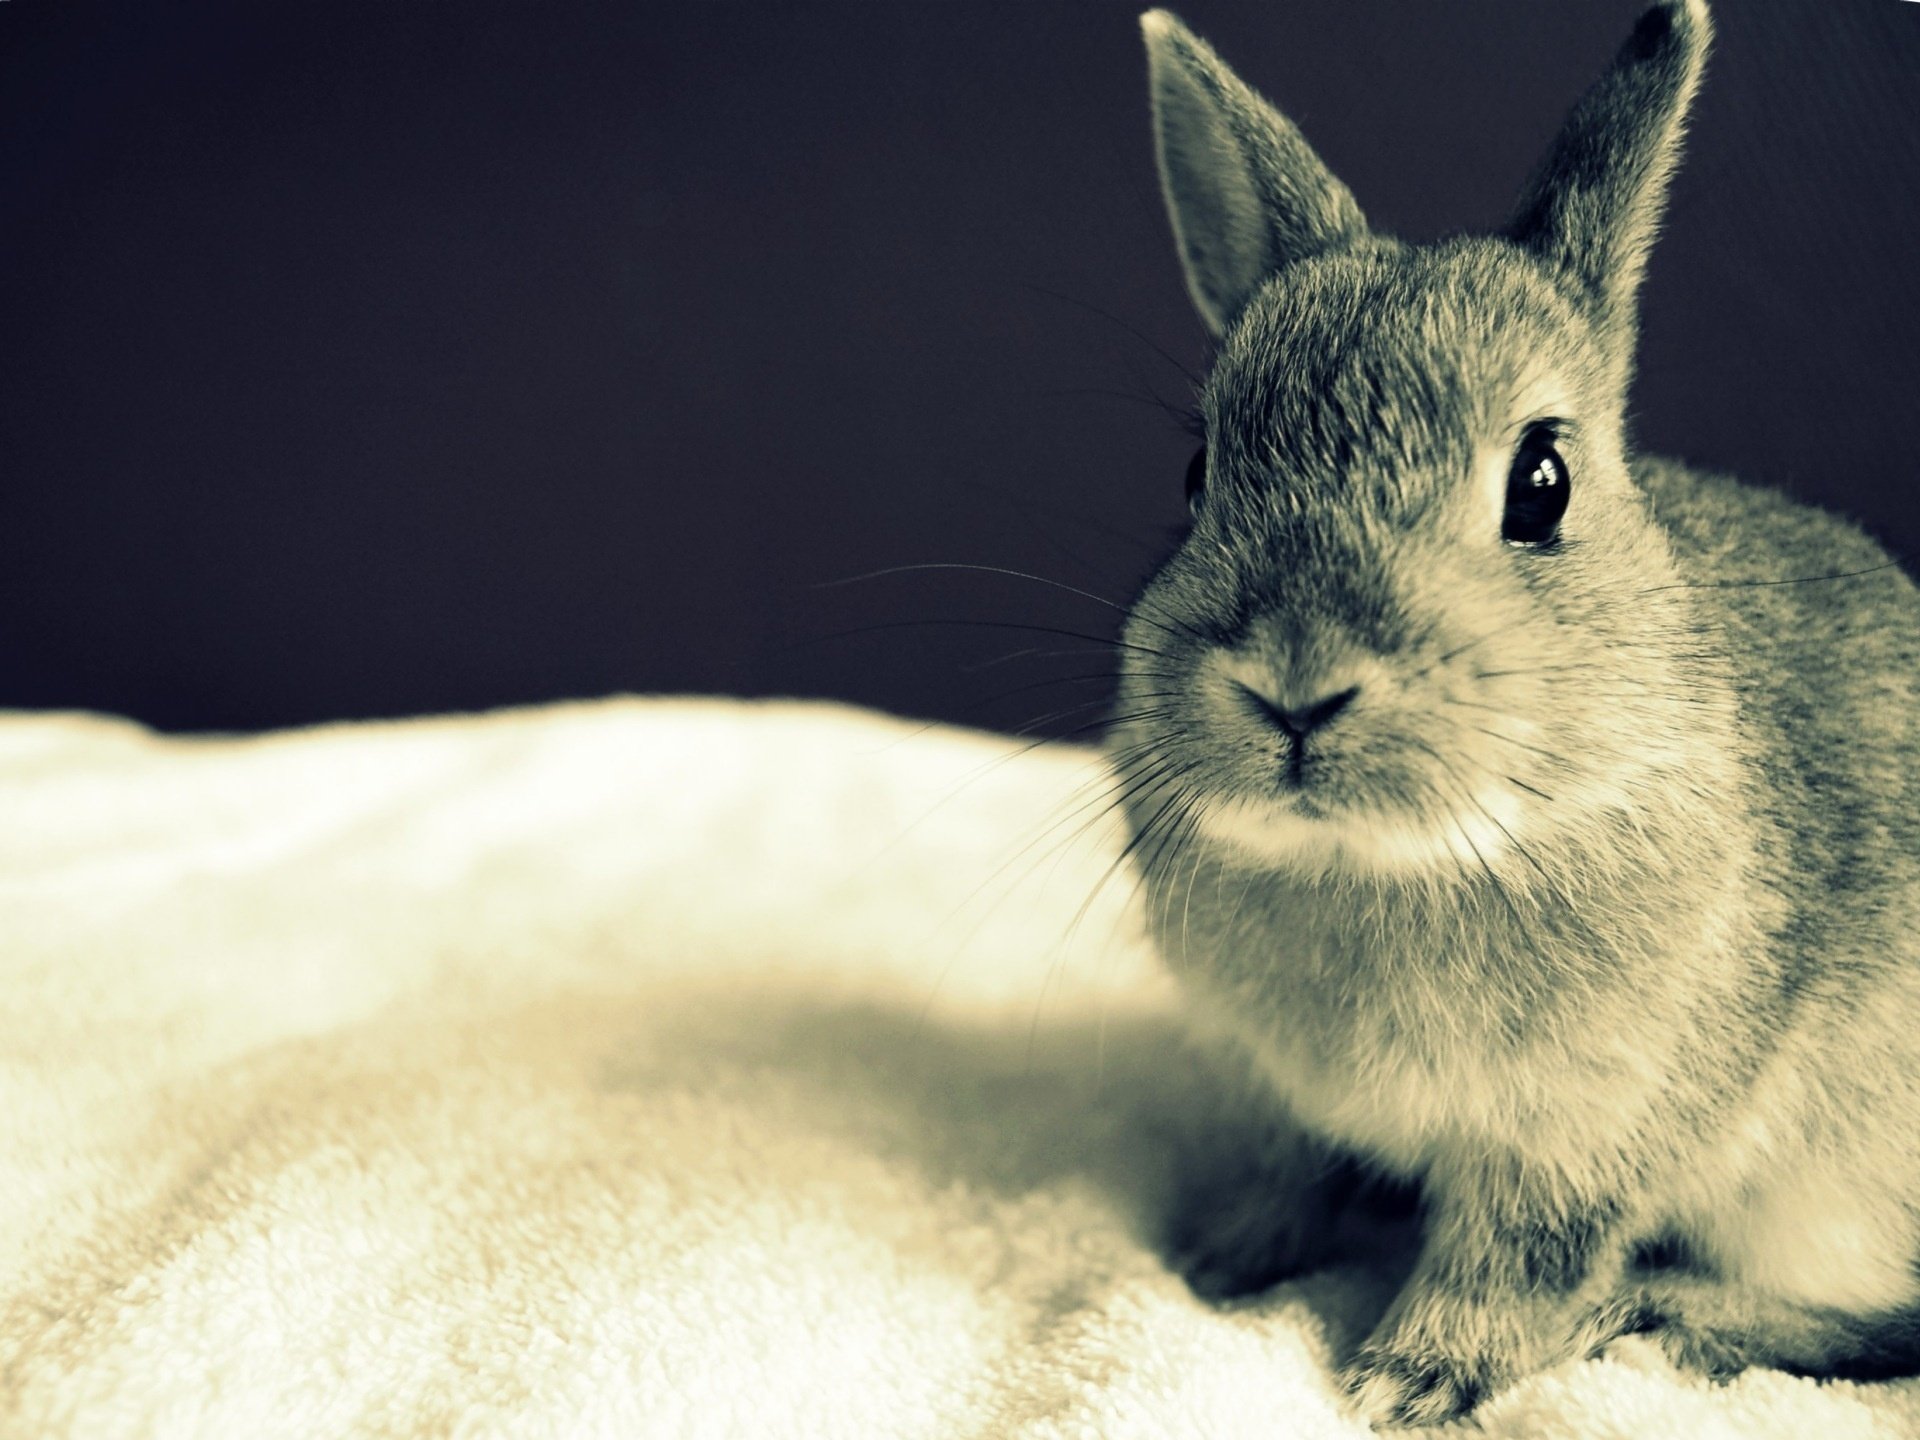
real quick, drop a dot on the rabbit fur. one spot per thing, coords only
(1593, 910)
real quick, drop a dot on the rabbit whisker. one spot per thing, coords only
(1176, 628)
(1104, 641)
(1559, 760)
(1112, 319)
(1107, 800)
(1893, 564)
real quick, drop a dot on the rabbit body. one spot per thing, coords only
(1576, 878)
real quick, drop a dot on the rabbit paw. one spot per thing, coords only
(1391, 1388)
(1716, 1356)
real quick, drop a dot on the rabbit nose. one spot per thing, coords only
(1299, 720)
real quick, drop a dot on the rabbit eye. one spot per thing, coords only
(1537, 490)
(1196, 476)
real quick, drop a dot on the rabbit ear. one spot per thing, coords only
(1246, 193)
(1595, 203)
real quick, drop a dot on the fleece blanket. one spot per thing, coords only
(637, 1068)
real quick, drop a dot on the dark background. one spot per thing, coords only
(362, 359)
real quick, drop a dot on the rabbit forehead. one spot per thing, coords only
(1393, 366)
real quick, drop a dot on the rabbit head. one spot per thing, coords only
(1423, 615)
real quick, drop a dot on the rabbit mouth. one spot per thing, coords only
(1311, 833)
(1308, 807)
(1310, 782)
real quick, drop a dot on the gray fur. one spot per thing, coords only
(1246, 193)
(1598, 910)
(1594, 206)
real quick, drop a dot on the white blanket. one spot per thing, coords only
(641, 1068)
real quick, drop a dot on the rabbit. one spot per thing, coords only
(1538, 821)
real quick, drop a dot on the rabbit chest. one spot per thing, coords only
(1408, 1029)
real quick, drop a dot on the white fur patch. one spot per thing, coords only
(1815, 1239)
(1274, 832)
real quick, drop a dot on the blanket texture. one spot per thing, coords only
(639, 1068)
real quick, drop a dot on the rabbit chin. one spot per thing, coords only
(1274, 833)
